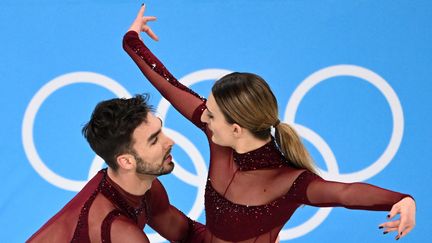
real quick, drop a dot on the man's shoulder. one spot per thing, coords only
(123, 229)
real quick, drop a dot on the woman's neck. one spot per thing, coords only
(249, 143)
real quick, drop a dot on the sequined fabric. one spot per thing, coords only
(155, 64)
(255, 220)
(111, 191)
(90, 215)
(265, 157)
(81, 230)
(249, 197)
(225, 218)
(106, 225)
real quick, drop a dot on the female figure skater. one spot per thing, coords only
(256, 181)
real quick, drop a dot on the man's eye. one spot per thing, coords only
(154, 141)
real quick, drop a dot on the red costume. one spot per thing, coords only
(249, 197)
(102, 206)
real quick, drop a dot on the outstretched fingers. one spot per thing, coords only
(141, 10)
(406, 224)
(149, 32)
(390, 226)
(406, 209)
(140, 23)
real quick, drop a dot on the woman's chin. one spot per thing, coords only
(214, 140)
(218, 142)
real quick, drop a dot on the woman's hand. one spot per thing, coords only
(406, 208)
(140, 24)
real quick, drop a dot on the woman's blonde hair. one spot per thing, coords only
(247, 100)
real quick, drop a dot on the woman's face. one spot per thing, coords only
(216, 122)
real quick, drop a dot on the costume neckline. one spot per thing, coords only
(267, 156)
(132, 199)
(130, 204)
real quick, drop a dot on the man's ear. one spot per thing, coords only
(126, 161)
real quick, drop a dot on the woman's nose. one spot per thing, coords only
(204, 117)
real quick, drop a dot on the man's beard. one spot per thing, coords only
(156, 170)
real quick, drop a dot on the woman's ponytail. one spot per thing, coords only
(292, 147)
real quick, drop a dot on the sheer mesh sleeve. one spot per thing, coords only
(187, 102)
(124, 230)
(313, 190)
(61, 227)
(168, 221)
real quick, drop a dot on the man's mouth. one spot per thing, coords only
(168, 156)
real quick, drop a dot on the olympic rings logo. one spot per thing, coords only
(189, 147)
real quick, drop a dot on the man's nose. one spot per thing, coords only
(170, 142)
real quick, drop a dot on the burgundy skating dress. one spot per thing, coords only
(249, 197)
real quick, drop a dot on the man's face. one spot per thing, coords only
(152, 148)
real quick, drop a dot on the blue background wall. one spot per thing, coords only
(347, 121)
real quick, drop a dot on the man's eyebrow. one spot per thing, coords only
(154, 135)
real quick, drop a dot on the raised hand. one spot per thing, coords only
(140, 24)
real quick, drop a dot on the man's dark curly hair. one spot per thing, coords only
(109, 131)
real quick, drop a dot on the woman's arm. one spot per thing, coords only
(186, 101)
(315, 191)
